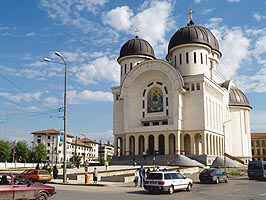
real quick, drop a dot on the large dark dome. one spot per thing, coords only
(136, 46)
(193, 34)
(237, 98)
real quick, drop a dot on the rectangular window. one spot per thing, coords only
(166, 101)
(167, 112)
(143, 114)
(192, 87)
(165, 122)
(144, 93)
(146, 124)
(187, 58)
(49, 137)
(143, 104)
(195, 57)
(159, 83)
(125, 68)
(175, 61)
(201, 58)
(155, 123)
(180, 59)
(130, 66)
(198, 86)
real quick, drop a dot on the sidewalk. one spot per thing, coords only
(90, 170)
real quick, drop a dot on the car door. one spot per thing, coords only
(23, 188)
(6, 189)
(175, 180)
(182, 181)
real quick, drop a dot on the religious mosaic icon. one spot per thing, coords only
(155, 100)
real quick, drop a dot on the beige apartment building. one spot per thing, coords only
(258, 144)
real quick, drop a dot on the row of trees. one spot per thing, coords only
(21, 152)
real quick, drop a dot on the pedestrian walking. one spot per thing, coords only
(136, 178)
(141, 175)
(95, 175)
(55, 172)
(106, 164)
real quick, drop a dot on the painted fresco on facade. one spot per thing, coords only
(155, 100)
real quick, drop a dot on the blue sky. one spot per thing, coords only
(89, 35)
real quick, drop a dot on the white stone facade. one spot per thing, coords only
(194, 115)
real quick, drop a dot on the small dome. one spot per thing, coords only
(237, 98)
(136, 46)
(193, 34)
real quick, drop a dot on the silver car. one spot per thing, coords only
(167, 182)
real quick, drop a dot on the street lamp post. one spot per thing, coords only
(224, 141)
(65, 103)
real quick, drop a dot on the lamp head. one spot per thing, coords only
(58, 54)
(47, 60)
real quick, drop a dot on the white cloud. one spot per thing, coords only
(28, 97)
(234, 46)
(100, 69)
(76, 97)
(71, 13)
(153, 23)
(119, 18)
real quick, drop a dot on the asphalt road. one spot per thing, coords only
(241, 189)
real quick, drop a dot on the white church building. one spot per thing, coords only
(181, 106)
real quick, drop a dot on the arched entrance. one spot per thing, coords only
(132, 145)
(151, 145)
(141, 145)
(161, 145)
(172, 144)
(187, 144)
(198, 144)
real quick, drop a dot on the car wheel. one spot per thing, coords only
(217, 180)
(171, 190)
(188, 187)
(42, 196)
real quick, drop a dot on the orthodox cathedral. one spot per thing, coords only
(180, 106)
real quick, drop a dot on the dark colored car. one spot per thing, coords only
(37, 175)
(16, 186)
(213, 176)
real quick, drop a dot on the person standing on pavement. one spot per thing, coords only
(86, 165)
(106, 164)
(136, 178)
(55, 172)
(141, 175)
(95, 175)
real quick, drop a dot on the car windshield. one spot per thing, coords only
(157, 176)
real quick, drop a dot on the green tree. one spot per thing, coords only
(40, 153)
(5, 151)
(22, 151)
(75, 158)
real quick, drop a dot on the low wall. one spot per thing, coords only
(10, 165)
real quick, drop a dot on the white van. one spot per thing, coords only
(167, 181)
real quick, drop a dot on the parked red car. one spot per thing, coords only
(16, 186)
